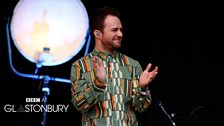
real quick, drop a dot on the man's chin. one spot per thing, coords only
(117, 46)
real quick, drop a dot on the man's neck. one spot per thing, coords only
(103, 50)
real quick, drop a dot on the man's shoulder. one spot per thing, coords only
(82, 59)
(131, 61)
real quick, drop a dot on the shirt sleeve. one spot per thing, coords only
(85, 88)
(141, 98)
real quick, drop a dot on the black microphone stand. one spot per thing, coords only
(169, 117)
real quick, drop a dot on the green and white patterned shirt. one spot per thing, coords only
(113, 102)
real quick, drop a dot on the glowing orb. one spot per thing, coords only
(50, 32)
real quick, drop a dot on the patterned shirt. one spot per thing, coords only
(113, 102)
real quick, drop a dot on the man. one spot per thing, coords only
(108, 86)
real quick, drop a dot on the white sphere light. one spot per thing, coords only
(49, 31)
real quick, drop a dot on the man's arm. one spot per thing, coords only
(141, 98)
(85, 88)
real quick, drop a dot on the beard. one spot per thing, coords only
(116, 44)
(112, 44)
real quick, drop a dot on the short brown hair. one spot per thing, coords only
(97, 19)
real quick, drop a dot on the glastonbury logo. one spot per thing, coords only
(36, 105)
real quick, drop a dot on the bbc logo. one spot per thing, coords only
(32, 99)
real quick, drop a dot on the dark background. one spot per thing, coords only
(183, 38)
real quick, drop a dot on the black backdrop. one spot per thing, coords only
(182, 37)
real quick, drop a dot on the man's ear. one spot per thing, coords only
(97, 33)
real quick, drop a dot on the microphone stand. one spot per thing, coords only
(169, 117)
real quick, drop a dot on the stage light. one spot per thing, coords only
(49, 32)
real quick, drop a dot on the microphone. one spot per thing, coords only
(163, 109)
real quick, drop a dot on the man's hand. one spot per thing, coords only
(99, 69)
(147, 76)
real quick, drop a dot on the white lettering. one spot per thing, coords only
(9, 108)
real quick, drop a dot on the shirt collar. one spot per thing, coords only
(103, 55)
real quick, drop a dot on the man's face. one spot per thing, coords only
(112, 33)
